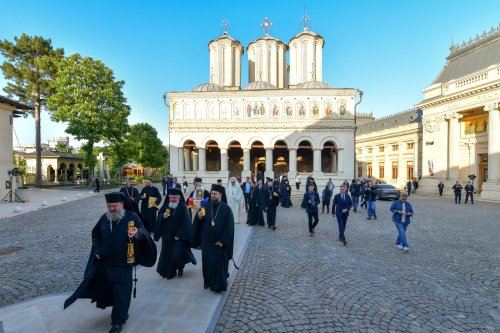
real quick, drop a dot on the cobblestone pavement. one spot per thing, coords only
(53, 246)
(449, 281)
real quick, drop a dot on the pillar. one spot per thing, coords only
(194, 156)
(246, 160)
(453, 145)
(317, 160)
(334, 161)
(202, 159)
(417, 167)
(340, 161)
(180, 157)
(187, 160)
(292, 160)
(493, 142)
(223, 159)
(269, 159)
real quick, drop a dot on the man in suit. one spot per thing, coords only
(246, 187)
(175, 184)
(311, 201)
(342, 204)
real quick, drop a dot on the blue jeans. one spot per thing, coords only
(371, 208)
(355, 201)
(401, 234)
(458, 197)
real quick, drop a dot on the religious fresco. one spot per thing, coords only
(212, 112)
(189, 111)
(177, 111)
(342, 109)
(315, 110)
(302, 110)
(476, 126)
(276, 111)
(328, 110)
(236, 111)
(288, 110)
(225, 111)
(255, 110)
(200, 111)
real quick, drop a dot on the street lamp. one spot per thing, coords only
(360, 92)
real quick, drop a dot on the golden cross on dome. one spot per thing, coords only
(266, 25)
(305, 19)
(225, 26)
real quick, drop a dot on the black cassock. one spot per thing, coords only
(285, 196)
(133, 194)
(108, 281)
(253, 211)
(215, 260)
(149, 214)
(175, 254)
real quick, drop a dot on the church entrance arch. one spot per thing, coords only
(257, 158)
(329, 158)
(51, 174)
(62, 172)
(280, 158)
(213, 156)
(305, 157)
(235, 159)
(189, 149)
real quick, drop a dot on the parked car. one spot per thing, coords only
(386, 191)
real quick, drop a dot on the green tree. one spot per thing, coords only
(148, 149)
(29, 67)
(91, 101)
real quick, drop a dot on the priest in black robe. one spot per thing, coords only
(214, 233)
(189, 200)
(151, 198)
(271, 201)
(286, 192)
(175, 229)
(131, 192)
(252, 216)
(224, 196)
(108, 275)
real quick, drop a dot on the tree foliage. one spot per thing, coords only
(91, 101)
(147, 148)
(29, 67)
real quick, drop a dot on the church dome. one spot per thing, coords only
(313, 85)
(208, 87)
(259, 85)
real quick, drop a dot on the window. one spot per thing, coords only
(360, 169)
(394, 170)
(409, 170)
(370, 150)
(360, 151)
(410, 145)
(381, 170)
(369, 170)
(394, 147)
(381, 149)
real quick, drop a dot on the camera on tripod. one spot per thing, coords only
(13, 173)
(11, 194)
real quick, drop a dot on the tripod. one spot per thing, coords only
(12, 193)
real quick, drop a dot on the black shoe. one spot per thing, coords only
(355, 210)
(345, 242)
(274, 228)
(368, 218)
(205, 286)
(180, 272)
(375, 217)
(116, 329)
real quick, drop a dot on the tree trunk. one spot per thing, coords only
(38, 143)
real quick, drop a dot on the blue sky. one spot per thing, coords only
(391, 50)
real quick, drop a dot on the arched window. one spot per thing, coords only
(329, 157)
(305, 157)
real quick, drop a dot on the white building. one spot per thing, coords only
(9, 109)
(285, 120)
(461, 118)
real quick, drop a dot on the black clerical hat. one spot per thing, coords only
(219, 180)
(269, 179)
(217, 188)
(114, 197)
(174, 191)
(197, 180)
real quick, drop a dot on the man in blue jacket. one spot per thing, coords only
(371, 198)
(401, 213)
(311, 201)
(342, 204)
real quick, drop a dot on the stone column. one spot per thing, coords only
(493, 142)
(187, 160)
(246, 160)
(202, 159)
(180, 157)
(317, 160)
(340, 160)
(269, 159)
(453, 145)
(417, 172)
(194, 156)
(223, 159)
(335, 168)
(292, 160)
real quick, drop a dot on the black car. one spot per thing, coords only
(386, 191)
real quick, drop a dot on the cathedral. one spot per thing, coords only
(285, 120)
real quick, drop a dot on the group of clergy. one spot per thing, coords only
(122, 239)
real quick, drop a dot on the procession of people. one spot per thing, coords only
(205, 220)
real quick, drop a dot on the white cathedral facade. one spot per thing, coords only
(285, 120)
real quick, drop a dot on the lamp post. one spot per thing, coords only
(360, 92)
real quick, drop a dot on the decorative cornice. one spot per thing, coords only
(453, 115)
(181, 125)
(262, 94)
(457, 49)
(492, 107)
(417, 131)
(457, 96)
